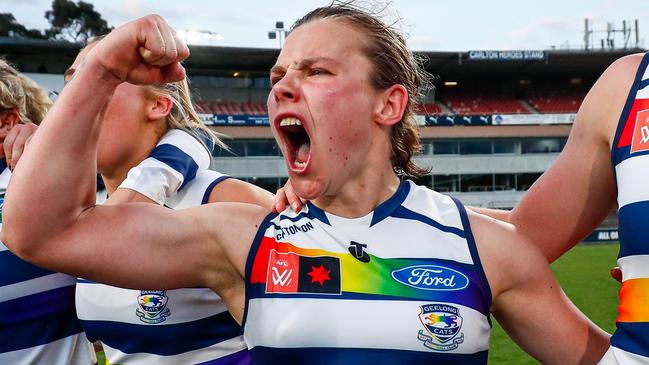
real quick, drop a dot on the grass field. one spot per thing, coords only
(583, 273)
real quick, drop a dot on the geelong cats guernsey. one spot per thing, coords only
(167, 327)
(402, 285)
(38, 323)
(630, 158)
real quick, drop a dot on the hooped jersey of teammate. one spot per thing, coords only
(167, 327)
(630, 159)
(402, 285)
(38, 323)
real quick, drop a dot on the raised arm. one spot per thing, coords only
(528, 301)
(577, 192)
(50, 217)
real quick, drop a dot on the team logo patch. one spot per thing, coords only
(431, 277)
(291, 273)
(357, 249)
(152, 306)
(640, 141)
(442, 323)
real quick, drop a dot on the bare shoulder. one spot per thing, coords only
(234, 190)
(605, 101)
(506, 255)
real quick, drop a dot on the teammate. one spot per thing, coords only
(605, 161)
(38, 324)
(375, 269)
(181, 326)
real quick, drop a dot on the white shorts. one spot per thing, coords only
(616, 356)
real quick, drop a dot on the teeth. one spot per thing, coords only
(289, 121)
(299, 164)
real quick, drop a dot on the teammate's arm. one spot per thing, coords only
(577, 192)
(528, 302)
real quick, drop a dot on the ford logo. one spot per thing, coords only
(431, 277)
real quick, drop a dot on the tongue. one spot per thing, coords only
(303, 152)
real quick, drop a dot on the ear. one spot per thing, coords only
(158, 107)
(392, 105)
(8, 119)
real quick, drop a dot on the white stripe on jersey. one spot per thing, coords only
(140, 177)
(191, 146)
(644, 93)
(629, 172)
(401, 317)
(616, 356)
(54, 353)
(187, 197)
(438, 207)
(634, 267)
(91, 305)
(213, 352)
(35, 286)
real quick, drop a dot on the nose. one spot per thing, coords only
(286, 90)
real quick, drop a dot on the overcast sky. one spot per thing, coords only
(434, 25)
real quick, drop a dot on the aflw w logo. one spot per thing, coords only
(282, 279)
(640, 140)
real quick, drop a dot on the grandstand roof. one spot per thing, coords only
(53, 56)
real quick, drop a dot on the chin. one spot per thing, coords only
(306, 188)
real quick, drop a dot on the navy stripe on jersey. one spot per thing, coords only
(616, 156)
(178, 338)
(387, 208)
(473, 248)
(254, 247)
(643, 84)
(317, 213)
(403, 212)
(238, 358)
(632, 224)
(39, 331)
(15, 269)
(37, 305)
(344, 356)
(292, 219)
(3, 164)
(177, 159)
(210, 187)
(632, 337)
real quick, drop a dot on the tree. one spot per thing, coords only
(9, 27)
(76, 22)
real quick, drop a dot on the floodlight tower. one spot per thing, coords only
(278, 32)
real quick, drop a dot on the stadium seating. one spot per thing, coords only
(233, 108)
(557, 103)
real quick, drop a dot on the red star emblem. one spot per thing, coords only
(319, 274)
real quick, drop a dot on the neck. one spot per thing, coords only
(373, 184)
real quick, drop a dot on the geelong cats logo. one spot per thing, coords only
(152, 306)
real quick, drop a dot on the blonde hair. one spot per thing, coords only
(183, 115)
(23, 95)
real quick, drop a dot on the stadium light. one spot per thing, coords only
(450, 83)
(278, 32)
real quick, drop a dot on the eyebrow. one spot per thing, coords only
(301, 65)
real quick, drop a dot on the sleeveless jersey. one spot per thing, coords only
(38, 323)
(630, 159)
(402, 285)
(181, 326)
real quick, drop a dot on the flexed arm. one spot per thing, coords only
(50, 217)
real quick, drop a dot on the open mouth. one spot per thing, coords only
(298, 143)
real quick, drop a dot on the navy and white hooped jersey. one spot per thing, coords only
(38, 323)
(630, 158)
(181, 326)
(402, 285)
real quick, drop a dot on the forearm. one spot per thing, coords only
(55, 180)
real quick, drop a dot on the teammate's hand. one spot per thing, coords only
(616, 273)
(286, 196)
(142, 52)
(16, 141)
